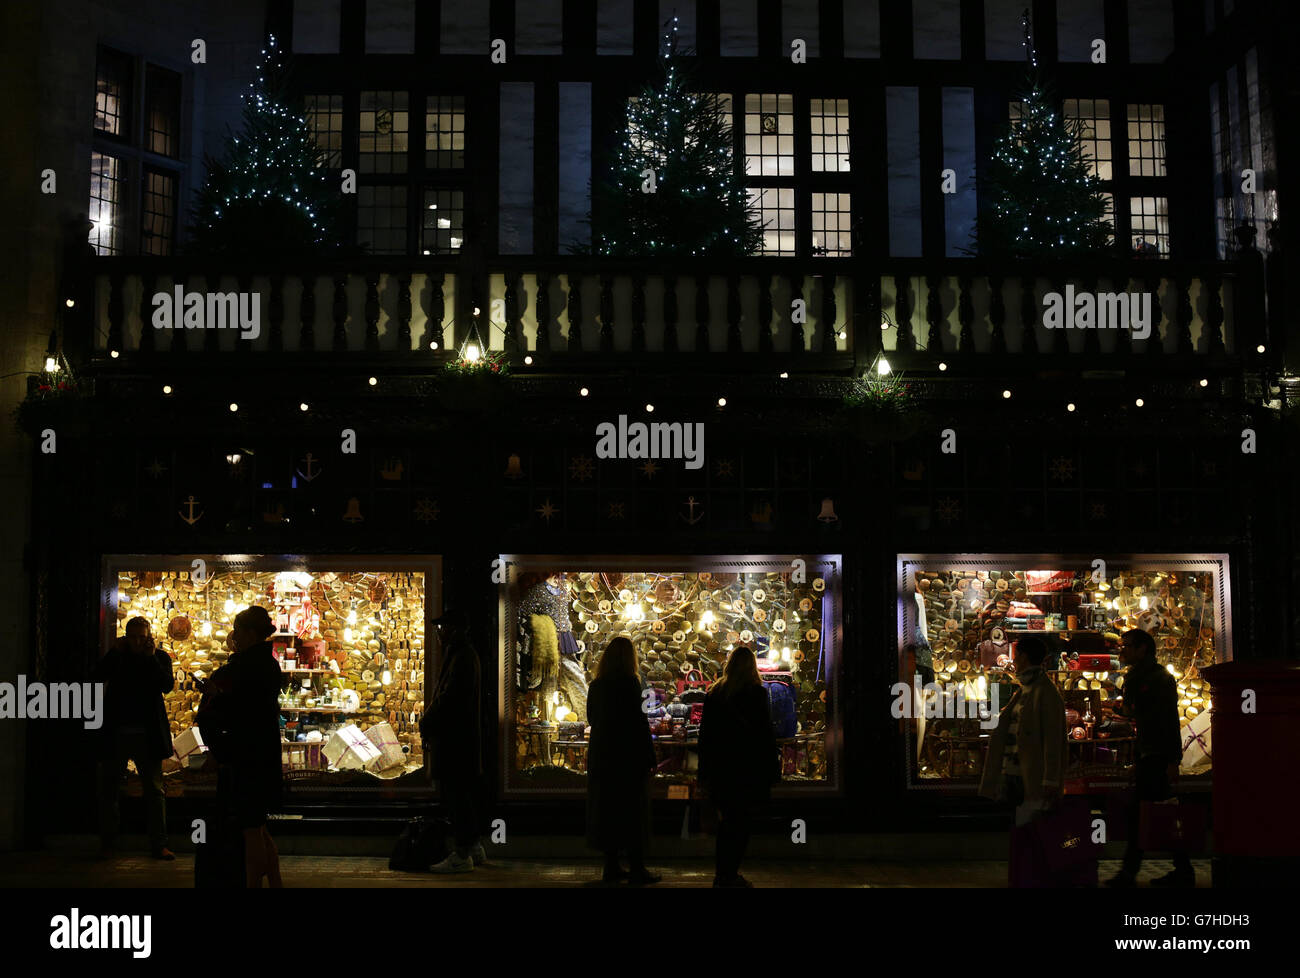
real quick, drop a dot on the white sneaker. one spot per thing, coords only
(478, 855)
(454, 863)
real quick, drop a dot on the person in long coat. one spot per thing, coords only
(135, 675)
(619, 761)
(451, 727)
(239, 718)
(739, 760)
(1026, 755)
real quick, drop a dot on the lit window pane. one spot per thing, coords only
(1149, 218)
(770, 117)
(774, 207)
(1146, 140)
(1092, 118)
(829, 125)
(831, 225)
(105, 200)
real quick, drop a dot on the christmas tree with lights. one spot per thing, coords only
(270, 192)
(673, 188)
(1038, 198)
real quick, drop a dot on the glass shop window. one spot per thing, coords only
(962, 623)
(683, 624)
(350, 645)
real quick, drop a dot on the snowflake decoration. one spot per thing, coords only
(426, 510)
(155, 468)
(1062, 469)
(724, 468)
(582, 467)
(119, 510)
(948, 510)
(649, 470)
(547, 510)
(616, 511)
(1098, 511)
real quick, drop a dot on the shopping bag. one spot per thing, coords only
(422, 843)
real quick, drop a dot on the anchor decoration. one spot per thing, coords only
(189, 504)
(311, 472)
(691, 503)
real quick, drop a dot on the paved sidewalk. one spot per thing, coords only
(80, 870)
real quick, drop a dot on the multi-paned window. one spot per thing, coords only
(831, 227)
(1140, 191)
(158, 213)
(1149, 226)
(829, 126)
(105, 202)
(444, 222)
(381, 218)
(135, 162)
(769, 135)
(1146, 140)
(797, 163)
(324, 114)
(444, 132)
(383, 128)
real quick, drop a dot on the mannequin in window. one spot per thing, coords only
(549, 651)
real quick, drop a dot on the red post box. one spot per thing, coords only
(1255, 739)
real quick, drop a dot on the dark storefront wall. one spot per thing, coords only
(475, 512)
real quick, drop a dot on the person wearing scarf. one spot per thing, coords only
(1027, 748)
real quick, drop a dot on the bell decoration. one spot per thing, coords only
(353, 514)
(827, 515)
(513, 469)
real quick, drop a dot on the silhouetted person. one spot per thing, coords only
(240, 721)
(451, 731)
(619, 761)
(1151, 702)
(1026, 753)
(135, 675)
(739, 761)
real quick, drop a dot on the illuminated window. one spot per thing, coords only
(775, 209)
(829, 123)
(384, 127)
(381, 219)
(105, 201)
(113, 73)
(325, 118)
(1092, 117)
(158, 226)
(1146, 140)
(443, 232)
(769, 135)
(444, 132)
(831, 231)
(1149, 217)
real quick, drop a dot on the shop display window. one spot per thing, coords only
(683, 615)
(960, 617)
(350, 640)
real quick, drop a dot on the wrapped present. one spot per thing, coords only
(1196, 744)
(188, 746)
(389, 747)
(350, 750)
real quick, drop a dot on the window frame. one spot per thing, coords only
(130, 148)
